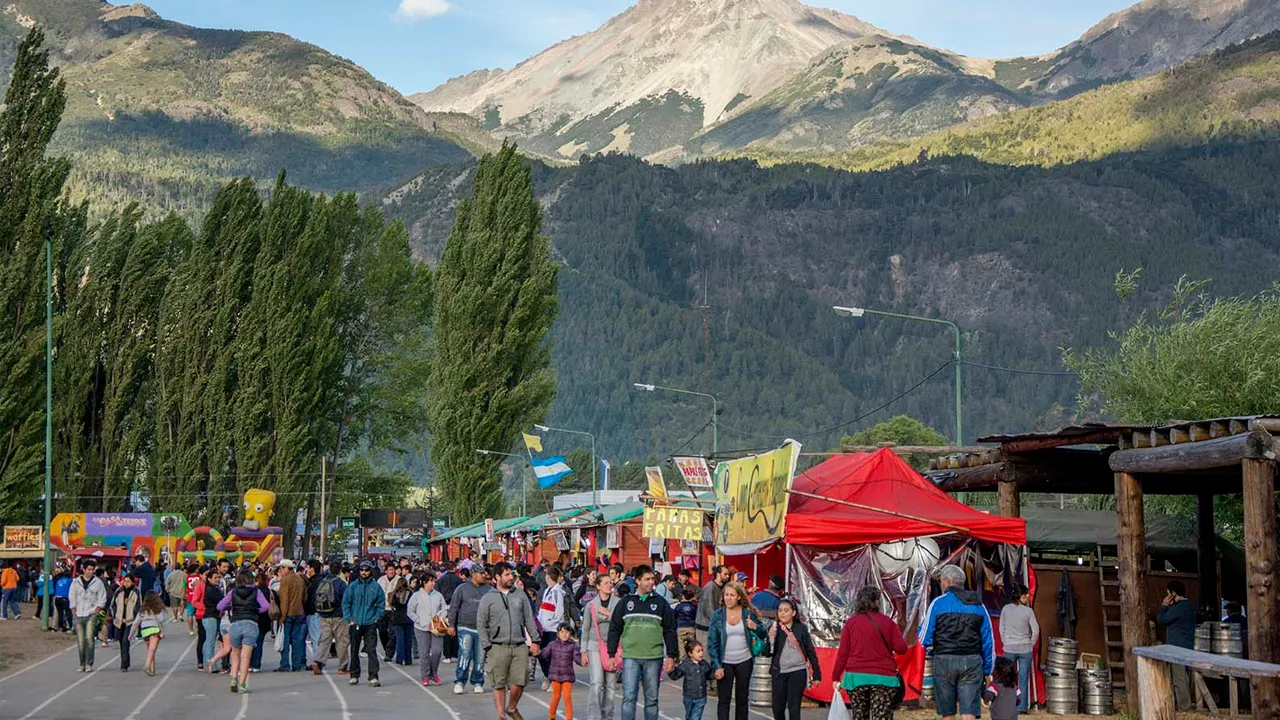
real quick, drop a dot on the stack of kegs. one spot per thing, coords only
(761, 694)
(1062, 688)
(1095, 691)
(1225, 639)
(926, 687)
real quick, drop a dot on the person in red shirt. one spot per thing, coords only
(864, 663)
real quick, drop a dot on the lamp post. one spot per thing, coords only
(48, 422)
(524, 486)
(650, 387)
(857, 312)
(595, 491)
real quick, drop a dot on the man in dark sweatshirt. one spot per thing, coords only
(645, 627)
(462, 624)
(1178, 618)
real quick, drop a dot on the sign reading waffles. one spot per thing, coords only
(23, 537)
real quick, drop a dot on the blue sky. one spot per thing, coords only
(415, 45)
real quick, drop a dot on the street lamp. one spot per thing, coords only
(595, 492)
(524, 486)
(715, 433)
(857, 312)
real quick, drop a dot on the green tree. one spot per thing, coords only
(495, 304)
(33, 213)
(1198, 357)
(900, 430)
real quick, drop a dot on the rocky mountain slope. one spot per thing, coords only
(1232, 93)
(651, 77)
(164, 112)
(865, 91)
(673, 80)
(1142, 40)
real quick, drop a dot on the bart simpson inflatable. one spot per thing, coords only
(258, 506)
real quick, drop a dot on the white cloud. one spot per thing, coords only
(415, 10)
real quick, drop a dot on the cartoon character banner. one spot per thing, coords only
(751, 499)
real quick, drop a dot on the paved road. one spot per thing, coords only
(51, 689)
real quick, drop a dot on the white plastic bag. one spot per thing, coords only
(280, 640)
(838, 711)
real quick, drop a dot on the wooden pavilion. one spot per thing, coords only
(1200, 459)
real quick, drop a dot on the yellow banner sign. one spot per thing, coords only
(23, 537)
(671, 523)
(751, 499)
(657, 486)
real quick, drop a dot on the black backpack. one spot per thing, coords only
(326, 596)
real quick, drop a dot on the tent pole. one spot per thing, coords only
(786, 569)
(860, 506)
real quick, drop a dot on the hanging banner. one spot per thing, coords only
(670, 523)
(751, 499)
(23, 537)
(657, 486)
(611, 537)
(657, 546)
(488, 529)
(694, 471)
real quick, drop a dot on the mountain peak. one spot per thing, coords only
(683, 63)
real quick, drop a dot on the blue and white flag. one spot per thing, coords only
(550, 470)
(604, 474)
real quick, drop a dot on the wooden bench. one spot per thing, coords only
(1155, 686)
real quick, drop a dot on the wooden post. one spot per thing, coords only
(1207, 553)
(1260, 572)
(1131, 562)
(1154, 688)
(1010, 502)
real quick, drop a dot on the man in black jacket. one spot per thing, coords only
(449, 582)
(1178, 618)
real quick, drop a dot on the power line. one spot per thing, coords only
(1020, 372)
(693, 437)
(861, 417)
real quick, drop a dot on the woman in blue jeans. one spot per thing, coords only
(1020, 633)
(209, 622)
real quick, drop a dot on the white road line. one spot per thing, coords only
(244, 706)
(452, 713)
(160, 684)
(33, 667)
(68, 688)
(750, 708)
(342, 701)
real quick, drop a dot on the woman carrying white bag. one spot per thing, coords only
(604, 670)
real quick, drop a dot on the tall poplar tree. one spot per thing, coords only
(33, 213)
(495, 302)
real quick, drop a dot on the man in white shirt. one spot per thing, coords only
(88, 596)
(385, 633)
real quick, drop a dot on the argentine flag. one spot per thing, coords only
(550, 470)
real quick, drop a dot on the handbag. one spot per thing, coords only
(610, 663)
(759, 645)
(439, 625)
(901, 693)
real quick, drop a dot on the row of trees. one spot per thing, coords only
(192, 364)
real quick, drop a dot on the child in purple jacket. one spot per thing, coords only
(563, 653)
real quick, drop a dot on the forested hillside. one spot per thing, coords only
(168, 113)
(1022, 258)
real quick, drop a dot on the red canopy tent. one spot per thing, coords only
(884, 481)
(865, 499)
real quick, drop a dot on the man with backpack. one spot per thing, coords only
(326, 597)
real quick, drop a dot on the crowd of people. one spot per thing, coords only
(504, 625)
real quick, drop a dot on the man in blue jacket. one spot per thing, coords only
(363, 604)
(958, 629)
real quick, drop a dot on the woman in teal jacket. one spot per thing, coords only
(735, 637)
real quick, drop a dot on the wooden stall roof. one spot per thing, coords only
(1190, 457)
